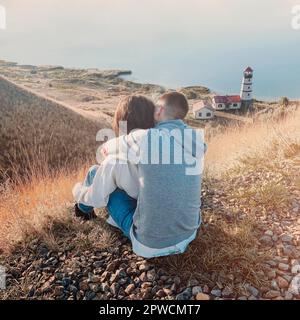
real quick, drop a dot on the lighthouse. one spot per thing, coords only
(246, 90)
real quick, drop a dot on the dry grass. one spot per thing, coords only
(250, 172)
(41, 209)
(36, 134)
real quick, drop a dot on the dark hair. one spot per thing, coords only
(138, 111)
(175, 103)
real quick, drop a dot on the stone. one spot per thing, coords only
(202, 296)
(143, 277)
(272, 294)
(227, 292)
(58, 291)
(271, 274)
(286, 238)
(146, 293)
(114, 288)
(98, 264)
(151, 275)
(288, 296)
(296, 269)
(206, 289)
(216, 292)
(130, 288)
(192, 283)
(185, 295)
(274, 285)
(283, 266)
(177, 281)
(160, 293)
(146, 285)
(104, 287)
(144, 267)
(84, 285)
(282, 283)
(111, 266)
(266, 240)
(269, 233)
(196, 290)
(167, 291)
(253, 291)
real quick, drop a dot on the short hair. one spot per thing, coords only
(175, 103)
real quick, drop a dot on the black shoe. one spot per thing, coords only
(85, 216)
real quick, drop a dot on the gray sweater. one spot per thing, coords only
(168, 209)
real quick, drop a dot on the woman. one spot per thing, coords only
(101, 180)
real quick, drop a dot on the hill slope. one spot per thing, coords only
(38, 134)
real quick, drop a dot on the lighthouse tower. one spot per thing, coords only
(246, 90)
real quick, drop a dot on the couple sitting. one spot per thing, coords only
(150, 177)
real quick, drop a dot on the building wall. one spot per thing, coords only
(246, 87)
(219, 106)
(204, 113)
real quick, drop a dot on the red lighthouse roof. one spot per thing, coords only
(248, 69)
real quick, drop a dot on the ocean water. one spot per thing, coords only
(172, 43)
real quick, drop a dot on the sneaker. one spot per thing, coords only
(85, 216)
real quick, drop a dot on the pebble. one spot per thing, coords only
(130, 288)
(227, 292)
(271, 274)
(185, 295)
(196, 290)
(272, 294)
(216, 292)
(151, 275)
(283, 266)
(286, 238)
(266, 240)
(253, 291)
(282, 283)
(202, 296)
(269, 233)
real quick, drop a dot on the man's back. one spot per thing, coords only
(168, 209)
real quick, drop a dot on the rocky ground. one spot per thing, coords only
(270, 270)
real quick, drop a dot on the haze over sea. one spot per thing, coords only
(173, 43)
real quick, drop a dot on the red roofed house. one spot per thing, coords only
(227, 102)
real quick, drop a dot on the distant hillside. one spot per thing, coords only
(37, 134)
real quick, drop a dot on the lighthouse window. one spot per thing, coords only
(235, 105)
(208, 114)
(248, 94)
(248, 87)
(220, 106)
(200, 114)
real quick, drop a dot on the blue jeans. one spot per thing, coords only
(121, 206)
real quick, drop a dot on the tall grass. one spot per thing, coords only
(38, 134)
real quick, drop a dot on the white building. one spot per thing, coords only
(203, 111)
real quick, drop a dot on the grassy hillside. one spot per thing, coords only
(247, 247)
(37, 134)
